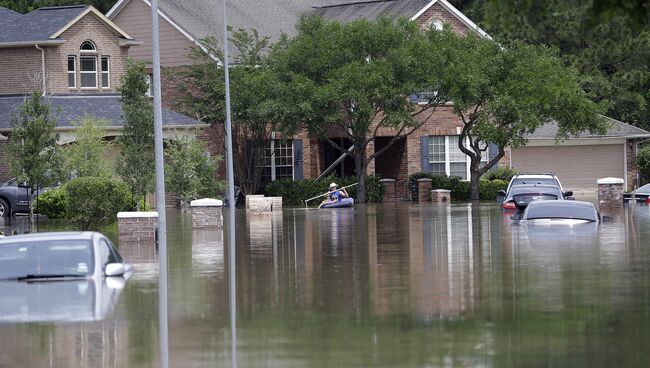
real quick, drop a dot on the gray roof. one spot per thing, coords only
(616, 129)
(8, 15)
(371, 10)
(40, 24)
(73, 108)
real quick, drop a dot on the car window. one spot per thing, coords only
(105, 254)
(643, 189)
(116, 255)
(572, 212)
(535, 181)
(52, 257)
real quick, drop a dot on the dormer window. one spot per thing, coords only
(88, 47)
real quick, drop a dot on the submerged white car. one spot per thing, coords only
(60, 256)
(560, 212)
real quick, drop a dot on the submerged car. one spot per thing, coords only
(520, 196)
(565, 212)
(14, 197)
(640, 195)
(548, 179)
(60, 256)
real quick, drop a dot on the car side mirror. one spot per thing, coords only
(114, 269)
(501, 193)
(568, 193)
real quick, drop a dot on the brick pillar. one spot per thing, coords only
(632, 175)
(206, 213)
(424, 190)
(441, 195)
(137, 228)
(389, 190)
(610, 193)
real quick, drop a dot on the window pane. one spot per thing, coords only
(284, 172)
(104, 79)
(104, 64)
(87, 46)
(455, 154)
(458, 169)
(437, 168)
(71, 80)
(88, 64)
(436, 149)
(88, 80)
(71, 63)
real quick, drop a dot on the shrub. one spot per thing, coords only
(460, 189)
(643, 163)
(94, 202)
(52, 203)
(501, 173)
(294, 192)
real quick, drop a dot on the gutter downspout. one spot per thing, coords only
(42, 66)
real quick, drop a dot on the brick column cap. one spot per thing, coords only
(610, 180)
(441, 191)
(135, 214)
(386, 180)
(206, 202)
(424, 180)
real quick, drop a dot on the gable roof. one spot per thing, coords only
(73, 108)
(616, 129)
(8, 15)
(371, 10)
(47, 24)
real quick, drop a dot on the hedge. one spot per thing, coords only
(294, 192)
(94, 202)
(460, 189)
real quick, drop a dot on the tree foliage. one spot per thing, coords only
(88, 155)
(190, 171)
(643, 163)
(254, 101)
(502, 93)
(354, 80)
(136, 164)
(91, 202)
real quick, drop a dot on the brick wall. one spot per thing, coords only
(632, 173)
(437, 12)
(20, 70)
(4, 160)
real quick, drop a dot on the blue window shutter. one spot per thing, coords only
(298, 169)
(424, 151)
(493, 152)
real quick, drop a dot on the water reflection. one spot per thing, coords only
(404, 285)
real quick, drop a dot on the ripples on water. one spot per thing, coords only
(391, 285)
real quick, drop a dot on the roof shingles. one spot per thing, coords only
(40, 24)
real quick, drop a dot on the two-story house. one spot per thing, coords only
(579, 162)
(76, 57)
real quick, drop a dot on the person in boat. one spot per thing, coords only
(334, 195)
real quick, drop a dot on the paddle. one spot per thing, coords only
(323, 195)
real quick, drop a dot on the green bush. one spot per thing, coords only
(94, 202)
(501, 173)
(294, 192)
(460, 189)
(643, 163)
(51, 203)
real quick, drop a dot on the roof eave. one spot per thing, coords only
(629, 136)
(456, 13)
(32, 43)
(98, 14)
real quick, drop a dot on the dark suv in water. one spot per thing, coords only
(14, 198)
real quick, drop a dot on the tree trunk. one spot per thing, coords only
(475, 176)
(360, 165)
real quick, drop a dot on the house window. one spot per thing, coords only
(150, 85)
(435, 24)
(278, 160)
(106, 70)
(446, 158)
(88, 47)
(424, 97)
(88, 71)
(72, 71)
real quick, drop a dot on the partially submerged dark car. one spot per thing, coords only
(641, 195)
(520, 196)
(14, 198)
(560, 212)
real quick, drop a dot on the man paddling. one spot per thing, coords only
(334, 195)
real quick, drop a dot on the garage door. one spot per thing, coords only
(578, 167)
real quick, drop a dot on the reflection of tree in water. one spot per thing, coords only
(141, 308)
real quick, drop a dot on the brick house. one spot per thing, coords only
(76, 56)
(431, 148)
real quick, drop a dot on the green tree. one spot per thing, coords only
(502, 93)
(88, 155)
(136, 164)
(643, 163)
(190, 171)
(34, 150)
(355, 79)
(254, 101)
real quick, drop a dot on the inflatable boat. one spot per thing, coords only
(344, 202)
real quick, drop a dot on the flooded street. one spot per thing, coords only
(402, 285)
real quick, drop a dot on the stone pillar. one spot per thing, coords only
(610, 192)
(137, 228)
(389, 190)
(276, 203)
(206, 213)
(258, 205)
(424, 190)
(250, 197)
(441, 195)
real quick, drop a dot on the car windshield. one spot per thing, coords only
(44, 258)
(564, 212)
(534, 181)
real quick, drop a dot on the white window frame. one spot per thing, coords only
(82, 72)
(272, 159)
(107, 71)
(73, 71)
(453, 139)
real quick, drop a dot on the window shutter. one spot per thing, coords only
(493, 152)
(424, 151)
(249, 157)
(297, 160)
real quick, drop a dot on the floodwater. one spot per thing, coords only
(402, 285)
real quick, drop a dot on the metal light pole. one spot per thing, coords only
(160, 189)
(231, 198)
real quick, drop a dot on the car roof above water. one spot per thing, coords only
(561, 209)
(61, 235)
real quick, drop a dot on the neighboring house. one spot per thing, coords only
(183, 24)
(76, 56)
